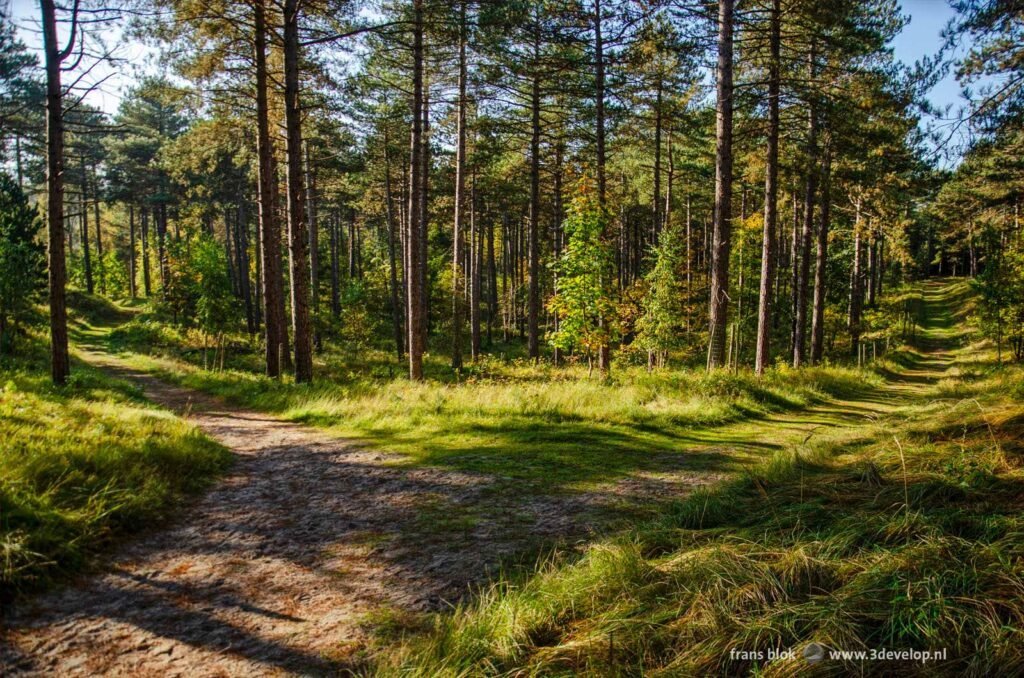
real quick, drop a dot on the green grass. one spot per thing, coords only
(83, 464)
(906, 533)
(545, 428)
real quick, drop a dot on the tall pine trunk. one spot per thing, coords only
(476, 278)
(853, 319)
(810, 191)
(298, 236)
(821, 261)
(771, 198)
(270, 231)
(314, 249)
(604, 352)
(132, 287)
(242, 255)
(458, 236)
(60, 364)
(656, 202)
(414, 236)
(83, 217)
(99, 232)
(147, 284)
(396, 311)
(722, 231)
(533, 308)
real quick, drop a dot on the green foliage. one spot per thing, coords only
(116, 275)
(217, 309)
(1000, 313)
(583, 299)
(664, 306)
(22, 260)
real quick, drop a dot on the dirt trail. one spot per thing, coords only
(274, 570)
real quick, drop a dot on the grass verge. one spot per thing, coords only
(82, 464)
(908, 537)
(546, 428)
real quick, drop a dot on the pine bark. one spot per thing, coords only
(821, 261)
(722, 230)
(83, 221)
(415, 236)
(396, 311)
(853, 319)
(458, 235)
(771, 198)
(270, 231)
(132, 287)
(604, 353)
(314, 250)
(806, 233)
(298, 235)
(533, 308)
(60, 364)
(147, 285)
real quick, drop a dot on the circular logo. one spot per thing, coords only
(814, 653)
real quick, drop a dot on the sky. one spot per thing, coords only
(920, 38)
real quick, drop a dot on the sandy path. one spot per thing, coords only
(274, 569)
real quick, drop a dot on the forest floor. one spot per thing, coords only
(311, 543)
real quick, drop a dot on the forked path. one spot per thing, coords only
(274, 569)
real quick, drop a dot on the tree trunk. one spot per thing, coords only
(99, 233)
(83, 216)
(771, 198)
(794, 257)
(60, 364)
(604, 353)
(557, 242)
(132, 291)
(533, 308)
(810, 190)
(298, 236)
(458, 246)
(396, 315)
(229, 255)
(147, 285)
(425, 214)
(821, 261)
(657, 224)
(314, 250)
(270, 232)
(415, 236)
(872, 268)
(258, 303)
(492, 283)
(719, 303)
(242, 254)
(853, 319)
(476, 278)
(160, 221)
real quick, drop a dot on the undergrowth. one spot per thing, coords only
(83, 464)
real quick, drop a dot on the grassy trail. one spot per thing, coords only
(897, 525)
(313, 546)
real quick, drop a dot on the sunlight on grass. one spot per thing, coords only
(81, 464)
(551, 428)
(844, 542)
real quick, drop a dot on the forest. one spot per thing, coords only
(511, 337)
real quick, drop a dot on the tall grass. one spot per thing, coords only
(553, 428)
(82, 464)
(846, 543)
